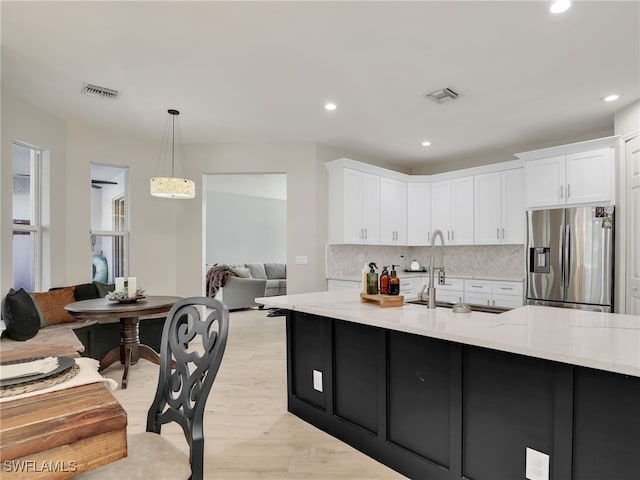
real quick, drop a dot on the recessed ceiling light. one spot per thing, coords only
(330, 106)
(560, 6)
(611, 98)
(426, 143)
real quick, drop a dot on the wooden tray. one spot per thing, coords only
(383, 301)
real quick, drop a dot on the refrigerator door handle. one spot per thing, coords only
(567, 254)
(562, 255)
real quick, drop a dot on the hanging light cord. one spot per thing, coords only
(173, 145)
(173, 114)
(170, 129)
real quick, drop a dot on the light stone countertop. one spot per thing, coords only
(403, 274)
(604, 341)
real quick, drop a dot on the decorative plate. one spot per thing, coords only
(64, 364)
(128, 300)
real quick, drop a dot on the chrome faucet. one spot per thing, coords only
(432, 268)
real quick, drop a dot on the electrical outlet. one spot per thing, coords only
(317, 380)
(537, 465)
(301, 260)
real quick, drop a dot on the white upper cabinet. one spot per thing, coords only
(441, 208)
(544, 182)
(499, 213)
(419, 214)
(513, 209)
(573, 174)
(462, 211)
(588, 176)
(354, 207)
(452, 210)
(393, 212)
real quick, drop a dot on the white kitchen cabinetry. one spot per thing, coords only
(499, 212)
(452, 291)
(452, 210)
(419, 214)
(574, 178)
(340, 285)
(494, 293)
(354, 207)
(410, 286)
(393, 212)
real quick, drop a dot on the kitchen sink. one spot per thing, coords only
(474, 308)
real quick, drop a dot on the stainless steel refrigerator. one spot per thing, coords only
(570, 257)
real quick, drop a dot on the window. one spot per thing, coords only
(27, 229)
(109, 223)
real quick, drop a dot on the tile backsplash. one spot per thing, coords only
(492, 261)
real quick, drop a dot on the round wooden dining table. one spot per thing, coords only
(130, 349)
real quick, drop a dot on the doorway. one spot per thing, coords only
(245, 218)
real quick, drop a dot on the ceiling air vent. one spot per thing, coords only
(443, 95)
(98, 91)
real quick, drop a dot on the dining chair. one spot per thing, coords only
(192, 339)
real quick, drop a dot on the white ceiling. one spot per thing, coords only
(262, 71)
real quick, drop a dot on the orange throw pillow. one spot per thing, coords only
(51, 305)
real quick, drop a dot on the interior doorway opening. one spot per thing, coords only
(245, 218)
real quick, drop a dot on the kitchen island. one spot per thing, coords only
(441, 395)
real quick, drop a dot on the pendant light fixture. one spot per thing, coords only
(172, 187)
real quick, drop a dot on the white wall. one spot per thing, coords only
(245, 229)
(152, 244)
(166, 246)
(32, 126)
(298, 161)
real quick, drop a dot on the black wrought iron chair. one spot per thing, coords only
(195, 339)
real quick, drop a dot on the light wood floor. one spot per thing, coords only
(248, 432)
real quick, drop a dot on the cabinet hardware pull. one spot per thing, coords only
(568, 191)
(476, 286)
(488, 302)
(503, 233)
(498, 233)
(362, 233)
(560, 191)
(452, 232)
(494, 302)
(365, 232)
(506, 288)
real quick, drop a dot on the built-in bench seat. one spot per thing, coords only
(31, 319)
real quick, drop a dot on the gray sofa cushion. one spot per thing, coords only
(257, 270)
(241, 272)
(276, 270)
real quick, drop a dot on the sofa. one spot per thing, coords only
(39, 318)
(250, 281)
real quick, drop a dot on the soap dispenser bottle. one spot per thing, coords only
(394, 282)
(372, 279)
(365, 272)
(384, 281)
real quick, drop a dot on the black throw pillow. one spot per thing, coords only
(20, 315)
(104, 288)
(85, 291)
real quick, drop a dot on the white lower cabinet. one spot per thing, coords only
(410, 285)
(452, 291)
(494, 293)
